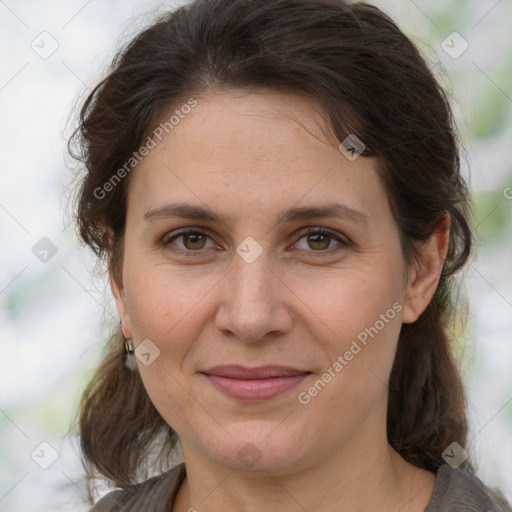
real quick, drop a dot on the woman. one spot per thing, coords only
(275, 187)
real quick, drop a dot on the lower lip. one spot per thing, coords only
(255, 389)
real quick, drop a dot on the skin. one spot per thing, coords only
(250, 157)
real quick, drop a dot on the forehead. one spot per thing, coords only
(254, 153)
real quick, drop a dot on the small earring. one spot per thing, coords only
(130, 361)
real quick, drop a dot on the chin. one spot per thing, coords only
(256, 449)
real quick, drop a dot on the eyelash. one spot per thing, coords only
(166, 241)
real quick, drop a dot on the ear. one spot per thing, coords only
(116, 285)
(118, 293)
(426, 272)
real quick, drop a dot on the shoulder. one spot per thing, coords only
(458, 490)
(156, 494)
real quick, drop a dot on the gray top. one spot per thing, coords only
(455, 491)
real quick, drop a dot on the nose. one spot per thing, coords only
(255, 302)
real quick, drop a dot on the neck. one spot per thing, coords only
(358, 476)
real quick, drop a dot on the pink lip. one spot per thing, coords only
(256, 384)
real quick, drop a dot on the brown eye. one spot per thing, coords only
(318, 241)
(194, 241)
(191, 240)
(321, 240)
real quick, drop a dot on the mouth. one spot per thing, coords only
(254, 384)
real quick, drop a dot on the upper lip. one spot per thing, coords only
(260, 372)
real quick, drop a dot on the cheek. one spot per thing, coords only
(165, 304)
(165, 307)
(340, 312)
(347, 304)
(361, 315)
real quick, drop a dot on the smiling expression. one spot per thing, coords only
(255, 254)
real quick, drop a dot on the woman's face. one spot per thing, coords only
(252, 289)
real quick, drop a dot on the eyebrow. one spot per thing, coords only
(199, 213)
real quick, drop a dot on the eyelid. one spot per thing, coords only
(173, 235)
(342, 240)
(339, 237)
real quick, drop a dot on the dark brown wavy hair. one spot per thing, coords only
(372, 82)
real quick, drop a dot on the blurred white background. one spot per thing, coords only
(53, 311)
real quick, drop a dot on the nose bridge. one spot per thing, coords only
(251, 284)
(253, 304)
